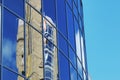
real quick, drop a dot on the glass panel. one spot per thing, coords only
(84, 75)
(72, 57)
(62, 47)
(70, 2)
(9, 44)
(77, 36)
(71, 33)
(79, 7)
(50, 51)
(76, 1)
(75, 10)
(9, 75)
(79, 66)
(79, 78)
(83, 54)
(34, 18)
(73, 73)
(63, 68)
(49, 9)
(34, 53)
(61, 17)
(18, 6)
(80, 23)
(20, 47)
(35, 3)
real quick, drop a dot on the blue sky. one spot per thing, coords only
(102, 29)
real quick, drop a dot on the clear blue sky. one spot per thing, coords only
(102, 29)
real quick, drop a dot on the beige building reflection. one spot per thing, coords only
(34, 49)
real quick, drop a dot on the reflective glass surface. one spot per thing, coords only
(9, 37)
(71, 33)
(75, 11)
(61, 17)
(73, 73)
(50, 45)
(63, 68)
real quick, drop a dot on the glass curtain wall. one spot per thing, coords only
(42, 40)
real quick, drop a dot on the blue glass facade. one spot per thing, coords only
(66, 19)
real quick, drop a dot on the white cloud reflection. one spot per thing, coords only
(78, 49)
(8, 52)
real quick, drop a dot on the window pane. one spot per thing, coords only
(49, 9)
(75, 10)
(77, 36)
(70, 2)
(83, 54)
(72, 57)
(61, 17)
(50, 50)
(79, 68)
(79, 6)
(76, 1)
(18, 6)
(62, 41)
(71, 33)
(63, 68)
(73, 73)
(9, 38)
(9, 75)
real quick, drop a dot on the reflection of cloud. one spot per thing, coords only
(78, 44)
(83, 54)
(8, 51)
(20, 22)
(51, 21)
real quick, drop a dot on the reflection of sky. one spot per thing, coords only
(10, 26)
(78, 50)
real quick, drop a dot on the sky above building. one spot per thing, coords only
(102, 29)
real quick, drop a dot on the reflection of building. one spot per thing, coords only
(50, 53)
(34, 59)
(49, 38)
(34, 56)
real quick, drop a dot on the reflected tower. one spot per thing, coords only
(41, 57)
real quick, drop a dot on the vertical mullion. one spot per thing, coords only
(43, 40)
(24, 38)
(1, 34)
(1, 41)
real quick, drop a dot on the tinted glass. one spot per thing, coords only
(61, 17)
(70, 2)
(62, 44)
(63, 68)
(79, 66)
(7, 74)
(79, 6)
(18, 6)
(49, 9)
(76, 1)
(78, 43)
(73, 73)
(75, 10)
(72, 57)
(71, 33)
(9, 39)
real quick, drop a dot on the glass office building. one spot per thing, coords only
(42, 40)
